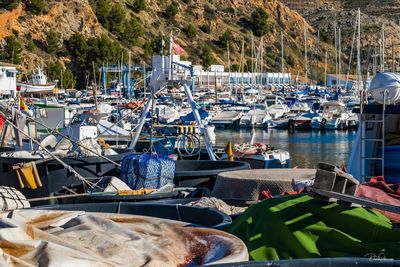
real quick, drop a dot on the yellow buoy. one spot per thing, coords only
(229, 151)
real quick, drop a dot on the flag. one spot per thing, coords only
(22, 104)
(176, 48)
(2, 120)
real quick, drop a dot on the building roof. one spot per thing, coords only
(5, 64)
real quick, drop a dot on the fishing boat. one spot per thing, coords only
(376, 149)
(38, 84)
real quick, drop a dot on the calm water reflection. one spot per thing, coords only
(306, 148)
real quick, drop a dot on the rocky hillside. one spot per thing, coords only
(374, 15)
(75, 33)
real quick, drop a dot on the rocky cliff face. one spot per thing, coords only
(375, 15)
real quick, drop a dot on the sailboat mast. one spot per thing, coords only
(171, 43)
(358, 51)
(339, 57)
(229, 65)
(261, 61)
(242, 60)
(317, 56)
(326, 67)
(383, 49)
(129, 75)
(282, 55)
(305, 51)
(336, 55)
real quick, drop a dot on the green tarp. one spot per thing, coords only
(298, 226)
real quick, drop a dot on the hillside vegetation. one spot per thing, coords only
(77, 35)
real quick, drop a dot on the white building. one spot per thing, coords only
(332, 81)
(215, 76)
(8, 79)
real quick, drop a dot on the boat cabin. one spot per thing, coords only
(8, 79)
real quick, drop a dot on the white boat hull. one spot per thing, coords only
(30, 88)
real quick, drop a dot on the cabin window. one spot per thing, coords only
(9, 74)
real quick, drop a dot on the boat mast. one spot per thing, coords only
(305, 51)
(339, 58)
(383, 49)
(129, 75)
(282, 55)
(326, 67)
(359, 52)
(94, 87)
(317, 56)
(351, 52)
(261, 62)
(171, 43)
(242, 60)
(229, 67)
(252, 58)
(336, 55)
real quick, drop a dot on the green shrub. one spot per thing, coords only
(12, 50)
(147, 50)
(133, 31)
(69, 79)
(171, 11)
(30, 45)
(191, 30)
(52, 42)
(9, 4)
(205, 28)
(206, 55)
(259, 22)
(78, 48)
(225, 38)
(138, 5)
(116, 19)
(37, 7)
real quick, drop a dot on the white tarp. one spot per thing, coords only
(76, 238)
(385, 81)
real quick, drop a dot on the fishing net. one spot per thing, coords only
(147, 171)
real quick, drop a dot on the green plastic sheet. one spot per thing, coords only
(299, 226)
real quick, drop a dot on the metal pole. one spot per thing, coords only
(129, 75)
(141, 124)
(203, 130)
(171, 43)
(383, 48)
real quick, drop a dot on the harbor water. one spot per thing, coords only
(306, 148)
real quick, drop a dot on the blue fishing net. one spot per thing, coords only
(147, 171)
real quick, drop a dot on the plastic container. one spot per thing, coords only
(54, 176)
(196, 173)
(197, 216)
